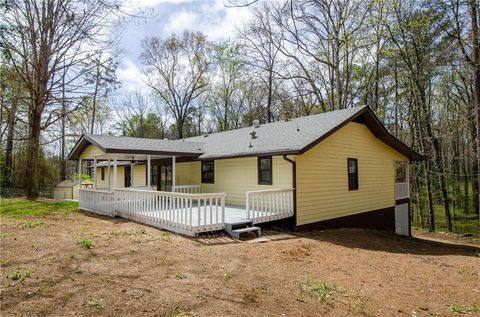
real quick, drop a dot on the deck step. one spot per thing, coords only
(237, 232)
(229, 226)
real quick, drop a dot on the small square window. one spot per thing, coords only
(352, 167)
(265, 170)
(208, 172)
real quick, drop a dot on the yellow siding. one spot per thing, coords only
(239, 175)
(90, 152)
(322, 179)
(120, 177)
(139, 175)
(187, 173)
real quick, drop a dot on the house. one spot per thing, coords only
(68, 189)
(340, 168)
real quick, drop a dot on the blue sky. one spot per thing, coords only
(165, 17)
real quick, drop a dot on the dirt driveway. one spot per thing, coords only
(81, 264)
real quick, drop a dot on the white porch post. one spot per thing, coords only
(114, 174)
(108, 174)
(131, 175)
(407, 171)
(148, 172)
(173, 173)
(79, 172)
(94, 173)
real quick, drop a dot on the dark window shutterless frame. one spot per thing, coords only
(208, 172)
(264, 167)
(352, 169)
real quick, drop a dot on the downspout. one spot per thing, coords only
(294, 184)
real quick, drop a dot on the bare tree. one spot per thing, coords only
(45, 41)
(322, 38)
(258, 37)
(176, 69)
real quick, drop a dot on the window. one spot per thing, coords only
(208, 172)
(265, 170)
(103, 173)
(352, 174)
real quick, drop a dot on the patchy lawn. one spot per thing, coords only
(69, 263)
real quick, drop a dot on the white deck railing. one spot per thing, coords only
(269, 205)
(186, 189)
(402, 191)
(100, 201)
(183, 213)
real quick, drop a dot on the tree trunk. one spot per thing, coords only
(8, 176)
(476, 79)
(63, 161)
(33, 152)
(269, 97)
(94, 106)
(180, 129)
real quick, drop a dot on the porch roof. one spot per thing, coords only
(128, 145)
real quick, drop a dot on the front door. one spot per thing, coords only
(128, 176)
(165, 177)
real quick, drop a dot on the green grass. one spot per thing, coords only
(96, 303)
(319, 290)
(18, 276)
(85, 243)
(25, 207)
(32, 224)
(461, 223)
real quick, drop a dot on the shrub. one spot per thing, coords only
(85, 243)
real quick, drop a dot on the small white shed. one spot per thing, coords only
(69, 189)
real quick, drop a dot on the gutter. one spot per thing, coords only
(294, 184)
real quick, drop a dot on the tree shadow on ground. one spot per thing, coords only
(389, 242)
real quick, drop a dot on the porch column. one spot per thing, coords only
(148, 172)
(108, 174)
(173, 172)
(79, 172)
(407, 176)
(94, 173)
(114, 174)
(131, 175)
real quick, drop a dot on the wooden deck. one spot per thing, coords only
(186, 213)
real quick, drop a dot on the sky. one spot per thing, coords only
(164, 17)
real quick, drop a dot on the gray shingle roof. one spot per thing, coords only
(120, 144)
(276, 137)
(282, 137)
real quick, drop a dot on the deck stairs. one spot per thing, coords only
(237, 228)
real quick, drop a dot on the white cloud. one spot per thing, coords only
(138, 5)
(181, 21)
(211, 18)
(130, 76)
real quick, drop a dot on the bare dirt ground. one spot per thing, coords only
(135, 270)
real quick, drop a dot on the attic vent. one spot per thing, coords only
(253, 134)
(256, 123)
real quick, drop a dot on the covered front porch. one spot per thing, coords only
(143, 185)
